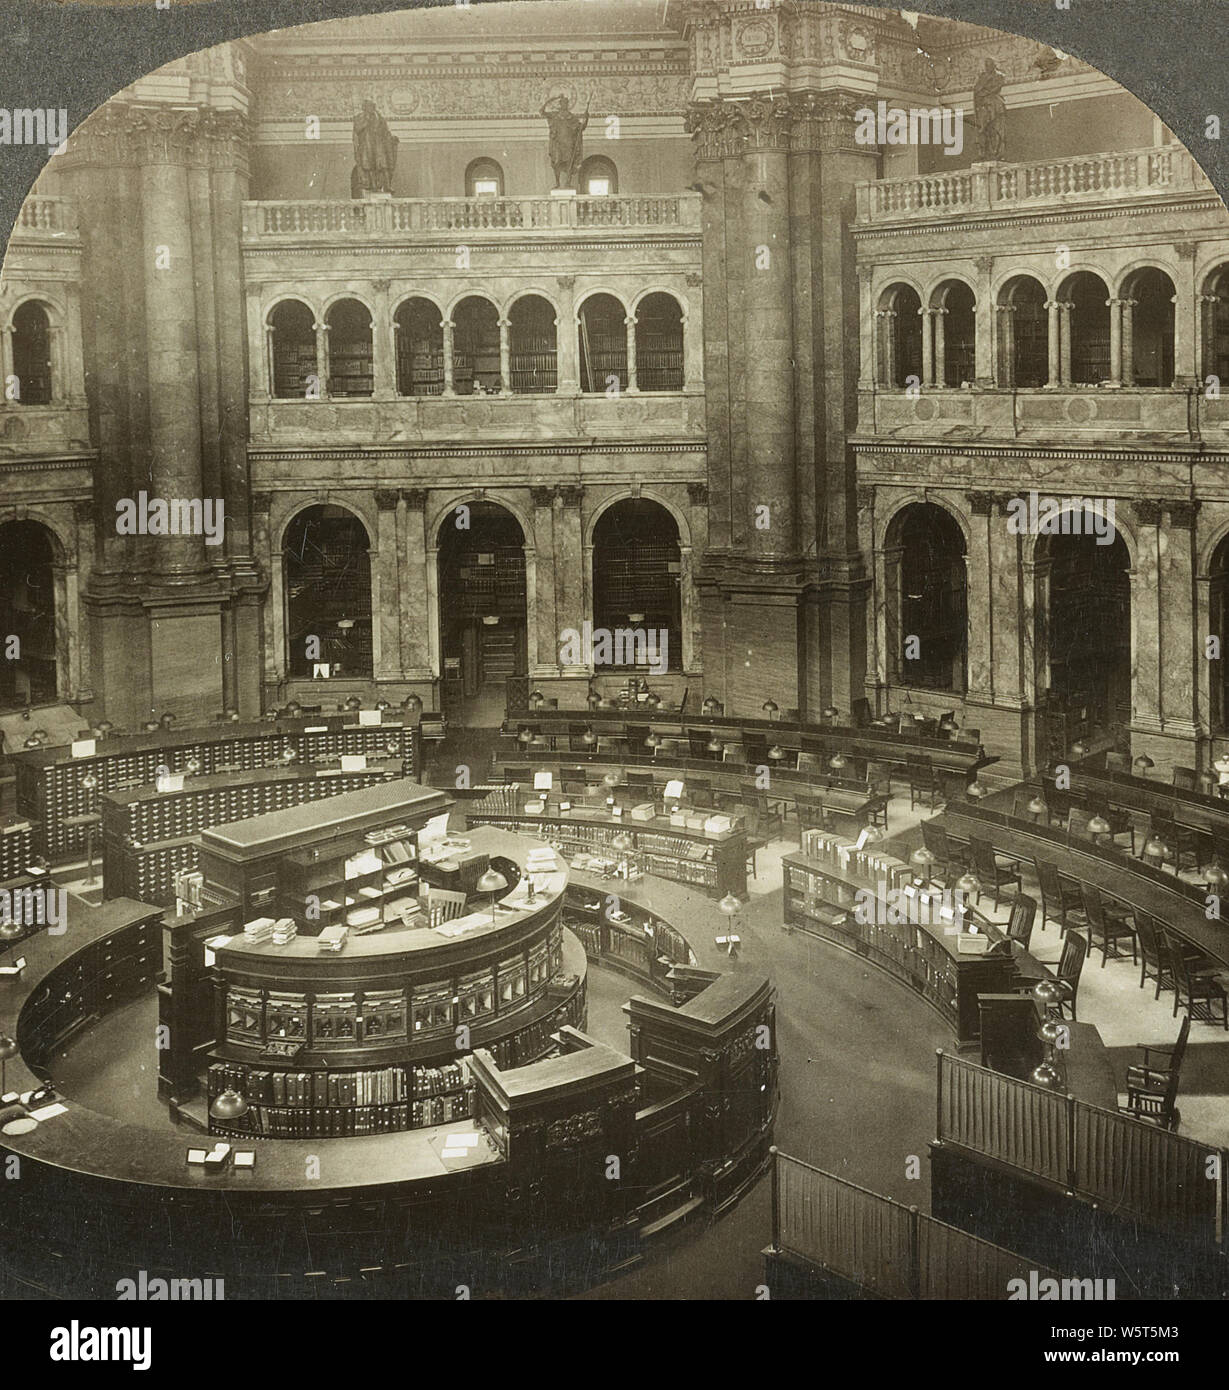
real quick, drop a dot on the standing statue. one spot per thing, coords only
(990, 111)
(375, 153)
(566, 138)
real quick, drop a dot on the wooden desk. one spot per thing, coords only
(1207, 815)
(1177, 906)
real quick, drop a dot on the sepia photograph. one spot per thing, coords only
(613, 688)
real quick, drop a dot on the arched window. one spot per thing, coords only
(531, 345)
(1023, 334)
(955, 330)
(27, 612)
(1090, 327)
(328, 594)
(928, 607)
(602, 331)
(419, 329)
(900, 336)
(350, 364)
(659, 343)
(475, 348)
(484, 179)
(636, 574)
(293, 349)
(32, 354)
(1148, 297)
(598, 176)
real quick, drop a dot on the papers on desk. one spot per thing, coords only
(49, 1112)
(434, 830)
(83, 748)
(543, 781)
(460, 925)
(459, 1145)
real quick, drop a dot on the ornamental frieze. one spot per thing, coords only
(124, 133)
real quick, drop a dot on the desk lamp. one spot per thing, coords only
(1215, 877)
(492, 882)
(969, 885)
(1156, 848)
(536, 699)
(593, 699)
(976, 790)
(622, 844)
(838, 762)
(294, 709)
(8, 1049)
(832, 714)
(776, 752)
(948, 724)
(1097, 827)
(1142, 764)
(150, 726)
(715, 745)
(654, 741)
(382, 705)
(610, 782)
(412, 704)
(524, 737)
(729, 907)
(89, 785)
(770, 709)
(1079, 749)
(924, 860)
(1037, 808)
(589, 738)
(710, 705)
(166, 720)
(228, 1106)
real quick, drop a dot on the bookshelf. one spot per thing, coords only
(350, 367)
(715, 863)
(294, 360)
(820, 889)
(624, 934)
(357, 887)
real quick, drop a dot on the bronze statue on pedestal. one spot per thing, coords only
(375, 153)
(566, 138)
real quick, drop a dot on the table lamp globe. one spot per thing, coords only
(729, 905)
(228, 1105)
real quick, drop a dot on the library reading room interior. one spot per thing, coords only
(612, 679)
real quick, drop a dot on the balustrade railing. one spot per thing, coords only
(398, 216)
(1005, 187)
(889, 1249)
(39, 215)
(1165, 1180)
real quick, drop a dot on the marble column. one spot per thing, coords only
(385, 583)
(1064, 342)
(505, 358)
(1187, 318)
(1179, 645)
(1053, 346)
(571, 608)
(885, 344)
(1007, 657)
(274, 644)
(940, 321)
(693, 341)
(1115, 308)
(1128, 342)
(1146, 617)
(1207, 337)
(768, 329)
(544, 648)
(567, 360)
(985, 322)
(1004, 368)
(323, 366)
(383, 345)
(6, 361)
(418, 579)
(447, 325)
(928, 350)
(630, 322)
(979, 591)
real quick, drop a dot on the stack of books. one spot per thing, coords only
(541, 861)
(259, 930)
(284, 931)
(332, 939)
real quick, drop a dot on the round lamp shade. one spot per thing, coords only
(229, 1105)
(1047, 993)
(715, 745)
(838, 761)
(1037, 806)
(710, 705)
(611, 780)
(1222, 763)
(382, 705)
(654, 701)
(729, 905)
(11, 931)
(1156, 848)
(1214, 876)
(535, 698)
(870, 834)
(412, 702)
(969, 884)
(167, 720)
(491, 882)
(1143, 763)
(977, 790)
(776, 752)
(653, 740)
(525, 737)
(294, 709)
(588, 738)
(353, 702)
(769, 707)
(8, 1048)
(1047, 1075)
(948, 724)
(1098, 826)
(105, 726)
(232, 715)
(593, 699)
(151, 726)
(923, 857)
(1051, 1031)
(832, 713)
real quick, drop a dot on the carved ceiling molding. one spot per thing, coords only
(126, 133)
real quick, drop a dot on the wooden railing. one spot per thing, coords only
(1131, 1168)
(1004, 188)
(890, 1250)
(397, 216)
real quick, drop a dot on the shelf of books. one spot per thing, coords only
(624, 934)
(717, 865)
(362, 891)
(870, 902)
(340, 1104)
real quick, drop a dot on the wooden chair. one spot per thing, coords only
(517, 774)
(1196, 984)
(1020, 923)
(1153, 1090)
(1107, 926)
(935, 838)
(1119, 821)
(1185, 779)
(1059, 896)
(640, 782)
(1154, 963)
(812, 815)
(1070, 967)
(1179, 838)
(924, 785)
(1117, 762)
(994, 875)
(763, 817)
(877, 811)
(860, 712)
